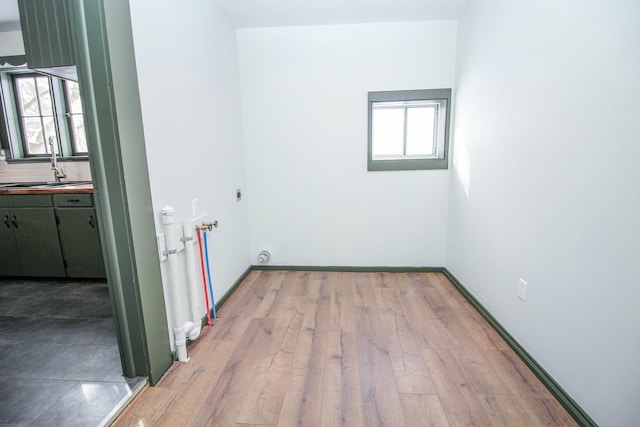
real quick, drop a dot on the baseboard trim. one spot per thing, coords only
(578, 414)
(349, 269)
(233, 287)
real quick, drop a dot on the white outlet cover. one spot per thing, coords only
(522, 290)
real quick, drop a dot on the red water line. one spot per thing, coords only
(204, 279)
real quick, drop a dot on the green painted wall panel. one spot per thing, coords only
(108, 81)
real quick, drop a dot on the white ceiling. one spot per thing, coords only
(274, 13)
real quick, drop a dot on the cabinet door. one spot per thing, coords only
(80, 242)
(38, 243)
(9, 258)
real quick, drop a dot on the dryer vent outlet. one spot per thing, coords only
(263, 257)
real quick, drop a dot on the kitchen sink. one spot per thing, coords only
(42, 184)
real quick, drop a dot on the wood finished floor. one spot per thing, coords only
(350, 349)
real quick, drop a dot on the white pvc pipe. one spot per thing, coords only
(193, 283)
(181, 344)
(177, 305)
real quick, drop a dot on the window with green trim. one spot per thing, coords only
(408, 130)
(41, 113)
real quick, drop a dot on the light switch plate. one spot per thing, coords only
(194, 207)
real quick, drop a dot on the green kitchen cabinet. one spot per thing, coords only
(36, 243)
(29, 238)
(50, 235)
(36, 236)
(9, 258)
(79, 238)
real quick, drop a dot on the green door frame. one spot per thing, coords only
(105, 62)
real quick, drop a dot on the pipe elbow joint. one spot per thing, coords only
(192, 330)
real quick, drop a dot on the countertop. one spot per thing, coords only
(47, 188)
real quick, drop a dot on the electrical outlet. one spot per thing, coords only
(194, 207)
(522, 290)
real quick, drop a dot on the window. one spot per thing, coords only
(408, 130)
(37, 107)
(34, 106)
(76, 119)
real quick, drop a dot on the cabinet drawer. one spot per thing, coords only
(70, 200)
(30, 200)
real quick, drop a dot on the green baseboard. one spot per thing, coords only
(348, 269)
(232, 289)
(578, 414)
(227, 294)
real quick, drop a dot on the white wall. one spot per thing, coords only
(190, 98)
(304, 100)
(545, 188)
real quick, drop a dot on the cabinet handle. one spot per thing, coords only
(14, 220)
(91, 222)
(73, 200)
(6, 221)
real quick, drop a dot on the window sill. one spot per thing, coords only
(407, 164)
(48, 159)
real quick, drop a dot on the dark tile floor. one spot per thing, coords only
(59, 359)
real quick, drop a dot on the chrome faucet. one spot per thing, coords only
(58, 173)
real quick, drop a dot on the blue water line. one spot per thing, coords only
(206, 255)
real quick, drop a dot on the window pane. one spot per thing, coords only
(420, 131)
(73, 97)
(79, 137)
(28, 100)
(387, 132)
(50, 131)
(44, 92)
(34, 136)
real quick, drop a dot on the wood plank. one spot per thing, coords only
(486, 337)
(461, 406)
(480, 373)
(233, 304)
(363, 295)
(285, 283)
(423, 410)
(274, 285)
(410, 371)
(456, 336)
(146, 409)
(388, 302)
(536, 399)
(341, 404)
(304, 397)
(506, 411)
(344, 301)
(265, 394)
(380, 398)
(222, 402)
(232, 326)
